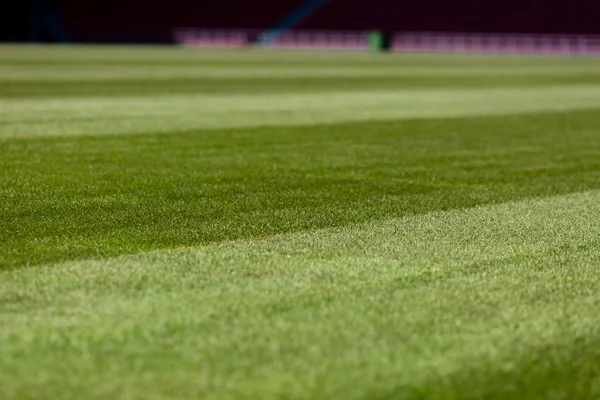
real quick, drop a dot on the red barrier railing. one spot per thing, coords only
(299, 40)
(496, 44)
(402, 42)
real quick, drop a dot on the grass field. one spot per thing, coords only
(180, 224)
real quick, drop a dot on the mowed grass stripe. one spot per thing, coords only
(447, 305)
(169, 55)
(100, 72)
(94, 71)
(266, 84)
(459, 269)
(82, 197)
(112, 115)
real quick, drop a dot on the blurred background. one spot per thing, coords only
(139, 21)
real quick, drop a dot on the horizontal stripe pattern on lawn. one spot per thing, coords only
(82, 197)
(449, 204)
(492, 302)
(94, 116)
(45, 91)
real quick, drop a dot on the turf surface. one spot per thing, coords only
(181, 224)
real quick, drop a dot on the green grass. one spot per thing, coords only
(500, 300)
(82, 197)
(182, 224)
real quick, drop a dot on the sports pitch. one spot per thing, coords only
(179, 224)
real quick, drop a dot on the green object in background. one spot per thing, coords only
(376, 41)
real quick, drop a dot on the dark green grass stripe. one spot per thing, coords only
(81, 197)
(39, 88)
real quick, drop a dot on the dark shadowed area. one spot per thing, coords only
(153, 21)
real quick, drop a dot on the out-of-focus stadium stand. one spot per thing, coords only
(473, 16)
(154, 21)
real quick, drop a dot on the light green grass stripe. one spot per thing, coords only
(93, 72)
(79, 116)
(444, 305)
